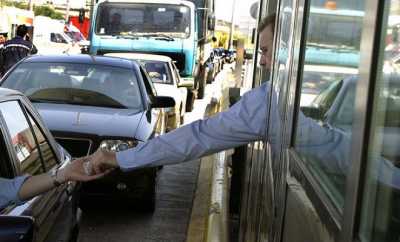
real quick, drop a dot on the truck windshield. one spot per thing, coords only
(139, 19)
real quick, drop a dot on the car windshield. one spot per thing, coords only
(77, 83)
(138, 19)
(158, 71)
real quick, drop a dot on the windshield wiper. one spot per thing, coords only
(160, 36)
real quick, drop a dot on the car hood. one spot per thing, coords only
(90, 120)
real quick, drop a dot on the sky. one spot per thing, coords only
(223, 9)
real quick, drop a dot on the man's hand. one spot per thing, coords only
(102, 161)
(75, 171)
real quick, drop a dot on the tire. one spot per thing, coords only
(75, 233)
(149, 200)
(190, 101)
(202, 83)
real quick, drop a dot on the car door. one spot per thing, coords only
(64, 209)
(182, 90)
(30, 157)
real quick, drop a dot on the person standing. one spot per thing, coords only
(17, 48)
(3, 39)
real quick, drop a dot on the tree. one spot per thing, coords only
(47, 11)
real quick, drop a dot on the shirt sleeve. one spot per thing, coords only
(9, 190)
(244, 122)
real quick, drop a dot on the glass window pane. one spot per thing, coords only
(25, 147)
(329, 78)
(50, 160)
(381, 203)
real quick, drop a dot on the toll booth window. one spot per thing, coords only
(330, 75)
(381, 203)
(25, 147)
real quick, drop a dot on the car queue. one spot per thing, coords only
(86, 102)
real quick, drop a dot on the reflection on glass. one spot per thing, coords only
(48, 156)
(381, 203)
(328, 91)
(25, 147)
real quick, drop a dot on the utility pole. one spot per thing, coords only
(67, 13)
(232, 29)
(30, 5)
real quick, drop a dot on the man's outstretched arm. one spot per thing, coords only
(242, 123)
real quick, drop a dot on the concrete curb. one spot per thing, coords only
(217, 227)
(209, 217)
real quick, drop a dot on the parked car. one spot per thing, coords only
(27, 147)
(94, 101)
(166, 80)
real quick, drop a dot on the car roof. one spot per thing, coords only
(81, 59)
(139, 56)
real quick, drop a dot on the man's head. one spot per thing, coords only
(22, 30)
(116, 18)
(266, 30)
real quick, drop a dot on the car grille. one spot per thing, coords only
(76, 147)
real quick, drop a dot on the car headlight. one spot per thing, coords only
(117, 145)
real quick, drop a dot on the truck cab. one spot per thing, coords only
(164, 27)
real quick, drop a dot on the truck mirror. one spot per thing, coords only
(81, 15)
(211, 22)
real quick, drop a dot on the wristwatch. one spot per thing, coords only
(53, 175)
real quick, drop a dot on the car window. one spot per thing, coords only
(49, 158)
(151, 90)
(77, 84)
(24, 144)
(158, 71)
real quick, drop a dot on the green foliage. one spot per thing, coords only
(47, 11)
(38, 10)
(22, 5)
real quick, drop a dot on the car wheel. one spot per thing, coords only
(75, 233)
(149, 198)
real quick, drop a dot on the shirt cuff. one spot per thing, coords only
(124, 160)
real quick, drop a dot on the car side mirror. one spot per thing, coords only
(313, 112)
(162, 102)
(16, 229)
(188, 83)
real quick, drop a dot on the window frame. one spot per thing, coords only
(15, 161)
(46, 133)
(340, 225)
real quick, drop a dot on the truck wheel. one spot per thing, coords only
(202, 87)
(190, 101)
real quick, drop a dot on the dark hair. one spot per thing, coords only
(267, 21)
(22, 30)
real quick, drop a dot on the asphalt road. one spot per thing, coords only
(169, 222)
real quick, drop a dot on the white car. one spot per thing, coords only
(167, 82)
